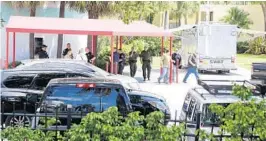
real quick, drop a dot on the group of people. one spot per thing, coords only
(176, 60)
(119, 58)
(83, 54)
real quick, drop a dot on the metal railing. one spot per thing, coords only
(68, 115)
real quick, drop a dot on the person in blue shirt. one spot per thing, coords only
(122, 62)
(116, 58)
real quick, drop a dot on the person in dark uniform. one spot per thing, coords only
(66, 50)
(121, 62)
(90, 56)
(42, 53)
(146, 60)
(176, 59)
(133, 58)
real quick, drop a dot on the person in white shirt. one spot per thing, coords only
(81, 55)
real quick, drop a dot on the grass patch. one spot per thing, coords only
(245, 60)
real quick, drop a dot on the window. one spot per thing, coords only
(211, 16)
(186, 103)
(208, 117)
(42, 80)
(191, 108)
(19, 81)
(86, 100)
(76, 75)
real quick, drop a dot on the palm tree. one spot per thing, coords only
(238, 17)
(94, 10)
(32, 5)
(60, 36)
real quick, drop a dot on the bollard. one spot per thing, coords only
(107, 67)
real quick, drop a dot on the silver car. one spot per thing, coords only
(200, 98)
(78, 66)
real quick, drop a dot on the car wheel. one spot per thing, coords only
(220, 72)
(18, 120)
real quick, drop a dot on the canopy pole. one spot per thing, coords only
(121, 40)
(171, 64)
(7, 46)
(14, 49)
(112, 54)
(92, 47)
(116, 42)
(162, 49)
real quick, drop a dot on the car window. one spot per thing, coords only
(19, 81)
(209, 117)
(76, 75)
(158, 103)
(191, 108)
(135, 99)
(86, 99)
(42, 80)
(186, 103)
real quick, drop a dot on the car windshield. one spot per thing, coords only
(98, 70)
(85, 99)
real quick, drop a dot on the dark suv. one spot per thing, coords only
(85, 95)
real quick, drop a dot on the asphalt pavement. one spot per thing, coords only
(175, 93)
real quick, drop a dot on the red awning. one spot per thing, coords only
(83, 26)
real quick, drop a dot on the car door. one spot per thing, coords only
(42, 79)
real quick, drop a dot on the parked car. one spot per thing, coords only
(210, 92)
(78, 66)
(18, 101)
(258, 75)
(147, 102)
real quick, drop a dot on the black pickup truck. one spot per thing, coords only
(258, 75)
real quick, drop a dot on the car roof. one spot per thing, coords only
(83, 80)
(145, 93)
(219, 91)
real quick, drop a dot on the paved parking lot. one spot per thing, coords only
(175, 93)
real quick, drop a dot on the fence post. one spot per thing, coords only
(197, 125)
(69, 107)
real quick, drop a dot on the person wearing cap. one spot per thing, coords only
(121, 62)
(165, 59)
(89, 55)
(176, 59)
(133, 59)
(146, 60)
(192, 67)
(42, 53)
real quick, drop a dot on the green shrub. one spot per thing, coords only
(257, 46)
(242, 47)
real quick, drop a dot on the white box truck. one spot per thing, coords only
(215, 43)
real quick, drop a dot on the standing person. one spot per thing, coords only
(116, 59)
(89, 55)
(165, 60)
(81, 55)
(67, 50)
(37, 50)
(42, 53)
(176, 59)
(133, 58)
(146, 60)
(192, 67)
(121, 62)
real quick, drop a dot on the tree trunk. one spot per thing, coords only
(197, 18)
(60, 36)
(31, 37)
(185, 17)
(179, 21)
(263, 7)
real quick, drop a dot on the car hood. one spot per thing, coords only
(127, 82)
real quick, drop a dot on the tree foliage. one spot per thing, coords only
(238, 17)
(257, 46)
(243, 118)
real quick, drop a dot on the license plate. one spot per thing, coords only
(216, 61)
